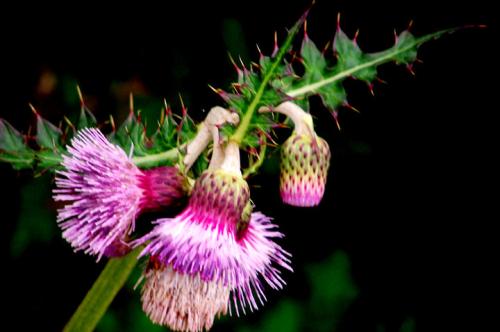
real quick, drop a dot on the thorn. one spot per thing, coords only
(338, 21)
(396, 38)
(325, 49)
(33, 109)
(409, 67)
(162, 119)
(381, 80)
(417, 60)
(370, 87)
(352, 108)
(131, 103)
(223, 94)
(112, 122)
(68, 121)
(306, 37)
(261, 56)
(410, 25)
(184, 109)
(335, 115)
(211, 88)
(80, 95)
(355, 39)
(167, 108)
(238, 70)
(243, 64)
(276, 48)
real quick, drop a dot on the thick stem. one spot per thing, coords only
(157, 159)
(301, 119)
(217, 152)
(231, 161)
(216, 117)
(197, 145)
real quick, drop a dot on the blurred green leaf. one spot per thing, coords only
(332, 291)
(36, 223)
(285, 317)
(408, 325)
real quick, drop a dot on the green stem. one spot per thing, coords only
(379, 60)
(242, 129)
(158, 158)
(102, 293)
(256, 165)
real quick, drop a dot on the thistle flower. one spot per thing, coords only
(305, 159)
(214, 247)
(105, 192)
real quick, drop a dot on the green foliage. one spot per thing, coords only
(172, 130)
(13, 148)
(36, 222)
(274, 80)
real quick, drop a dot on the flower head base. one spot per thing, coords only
(181, 301)
(304, 169)
(305, 158)
(217, 239)
(105, 192)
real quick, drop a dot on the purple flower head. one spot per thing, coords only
(218, 241)
(104, 193)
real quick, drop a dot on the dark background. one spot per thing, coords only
(401, 237)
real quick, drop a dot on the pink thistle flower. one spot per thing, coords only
(305, 159)
(217, 241)
(105, 192)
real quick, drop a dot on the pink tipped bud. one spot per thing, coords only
(305, 159)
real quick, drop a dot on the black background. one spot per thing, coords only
(412, 212)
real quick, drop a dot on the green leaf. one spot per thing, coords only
(47, 135)
(102, 293)
(13, 149)
(48, 159)
(313, 60)
(404, 51)
(349, 55)
(86, 119)
(10, 138)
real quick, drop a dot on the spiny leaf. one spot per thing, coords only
(47, 135)
(351, 62)
(249, 113)
(10, 138)
(48, 159)
(86, 119)
(13, 149)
